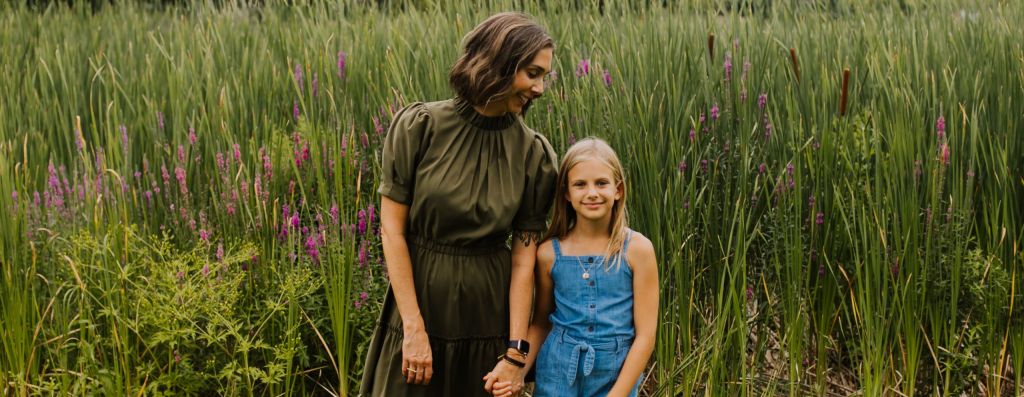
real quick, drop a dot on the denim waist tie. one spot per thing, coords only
(581, 346)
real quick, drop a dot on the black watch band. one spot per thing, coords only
(519, 344)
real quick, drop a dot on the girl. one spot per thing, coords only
(597, 286)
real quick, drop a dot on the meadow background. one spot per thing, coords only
(835, 189)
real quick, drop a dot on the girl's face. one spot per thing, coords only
(529, 81)
(593, 190)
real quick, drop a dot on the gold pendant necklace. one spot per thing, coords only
(586, 271)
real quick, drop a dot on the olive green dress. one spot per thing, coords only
(469, 180)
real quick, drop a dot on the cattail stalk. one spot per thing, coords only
(842, 99)
(796, 66)
(711, 46)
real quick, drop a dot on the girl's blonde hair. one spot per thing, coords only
(564, 216)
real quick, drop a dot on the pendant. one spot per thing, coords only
(586, 275)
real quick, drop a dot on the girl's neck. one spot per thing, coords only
(591, 230)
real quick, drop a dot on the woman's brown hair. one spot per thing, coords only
(492, 54)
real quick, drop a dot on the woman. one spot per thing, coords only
(457, 177)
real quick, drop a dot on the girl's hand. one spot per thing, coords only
(504, 380)
(505, 389)
(417, 360)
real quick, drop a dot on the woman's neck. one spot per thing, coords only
(493, 109)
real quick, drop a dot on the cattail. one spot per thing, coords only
(842, 100)
(796, 66)
(711, 46)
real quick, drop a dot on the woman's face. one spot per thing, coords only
(529, 81)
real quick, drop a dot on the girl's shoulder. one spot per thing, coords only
(640, 254)
(546, 255)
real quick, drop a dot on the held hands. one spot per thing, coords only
(417, 359)
(506, 379)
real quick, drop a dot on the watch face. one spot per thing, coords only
(520, 345)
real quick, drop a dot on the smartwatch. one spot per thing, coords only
(519, 344)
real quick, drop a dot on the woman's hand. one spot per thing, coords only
(417, 359)
(505, 380)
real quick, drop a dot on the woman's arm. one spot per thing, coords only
(417, 359)
(645, 313)
(540, 326)
(520, 297)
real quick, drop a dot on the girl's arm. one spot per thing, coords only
(540, 326)
(645, 313)
(416, 352)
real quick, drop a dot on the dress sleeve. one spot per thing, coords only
(541, 177)
(402, 150)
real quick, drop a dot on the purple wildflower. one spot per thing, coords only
(179, 174)
(238, 152)
(159, 120)
(583, 68)
(704, 166)
(821, 270)
(192, 136)
(682, 167)
(124, 136)
(298, 76)
(364, 140)
(177, 357)
(762, 100)
(693, 135)
(820, 218)
(361, 228)
(728, 67)
(750, 293)
(789, 169)
(940, 127)
(220, 252)
(377, 126)
(341, 64)
(312, 249)
(701, 118)
(206, 269)
(181, 153)
(204, 235)
(944, 152)
(371, 215)
(810, 201)
(295, 110)
(714, 112)
(362, 254)
(761, 169)
(334, 214)
(295, 220)
(607, 79)
(79, 140)
(767, 131)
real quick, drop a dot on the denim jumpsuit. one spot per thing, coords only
(592, 326)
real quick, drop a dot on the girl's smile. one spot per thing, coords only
(593, 190)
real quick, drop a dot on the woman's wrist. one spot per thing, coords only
(411, 326)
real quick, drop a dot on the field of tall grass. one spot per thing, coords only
(836, 191)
